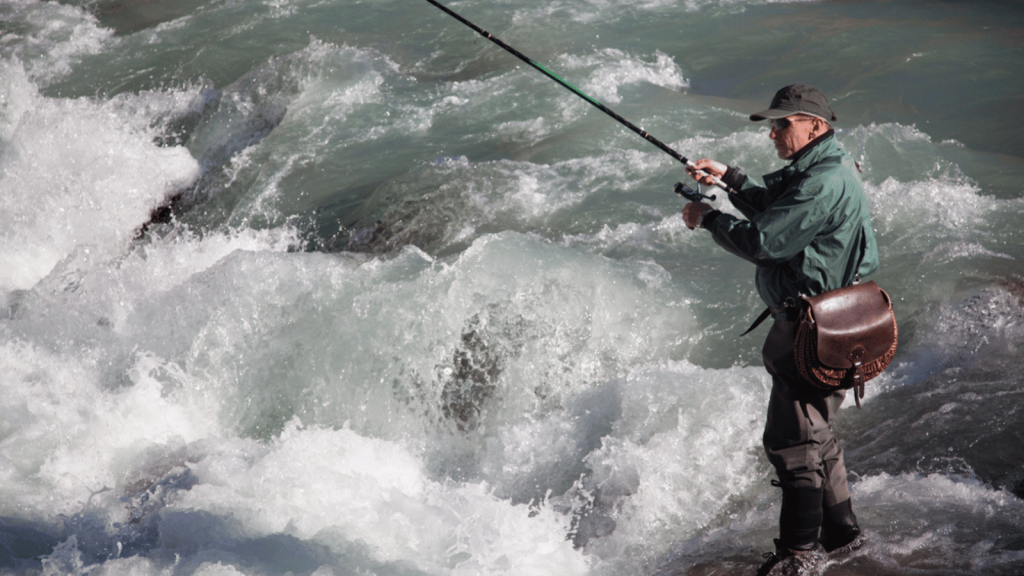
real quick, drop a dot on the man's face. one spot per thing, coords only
(792, 133)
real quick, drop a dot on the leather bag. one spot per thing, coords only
(845, 337)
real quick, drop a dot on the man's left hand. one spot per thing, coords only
(693, 213)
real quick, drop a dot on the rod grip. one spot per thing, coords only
(716, 181)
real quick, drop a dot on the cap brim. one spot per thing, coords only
(773, 113)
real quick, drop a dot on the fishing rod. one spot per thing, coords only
(680, 188)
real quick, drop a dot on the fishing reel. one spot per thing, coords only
(691, 194)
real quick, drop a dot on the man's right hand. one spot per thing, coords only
(712, 170)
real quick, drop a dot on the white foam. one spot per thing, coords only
(667, 231)
(55, 37)
(70, 438)
(342, 79)
(932, 208)
(912, 491)
(77, 173)
(612, 68)
(336, 487)
(220, 403)
(592, 11)
(674, 458)
(893, 505)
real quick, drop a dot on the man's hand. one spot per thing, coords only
(708, 167)
(693, 213)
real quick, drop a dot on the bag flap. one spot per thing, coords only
(854, 324)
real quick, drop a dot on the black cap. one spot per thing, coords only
(797, 99)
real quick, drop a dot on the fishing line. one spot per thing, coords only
(693, 194)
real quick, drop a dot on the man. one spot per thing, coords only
(808, 231)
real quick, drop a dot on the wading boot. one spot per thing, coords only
(839, 530)
(797, 551)
(787, 562)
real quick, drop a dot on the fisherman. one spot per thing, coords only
(808, 231)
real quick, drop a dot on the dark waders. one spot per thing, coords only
(807, 458)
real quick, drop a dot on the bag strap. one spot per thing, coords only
(857, 380)
(764, 316)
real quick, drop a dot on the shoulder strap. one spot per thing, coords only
(764, 315)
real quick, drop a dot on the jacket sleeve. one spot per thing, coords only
(750, 198)
(775, 235)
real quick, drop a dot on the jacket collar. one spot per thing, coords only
(813, 146)
(821, 147)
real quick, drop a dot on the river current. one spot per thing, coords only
(333, 287)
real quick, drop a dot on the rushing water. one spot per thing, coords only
(340, 287)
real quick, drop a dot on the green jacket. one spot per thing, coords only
(808, 230)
